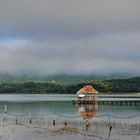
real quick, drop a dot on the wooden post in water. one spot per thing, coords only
(5, 114)
(5, 108)
(30, 117)
(110, 126)
(16, 120)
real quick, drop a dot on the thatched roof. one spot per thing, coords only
(87, 89)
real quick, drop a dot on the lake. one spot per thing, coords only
(55, 112)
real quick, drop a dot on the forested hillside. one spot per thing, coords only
(68, 85)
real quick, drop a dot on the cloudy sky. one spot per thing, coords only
(70, 36)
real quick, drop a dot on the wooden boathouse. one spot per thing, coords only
(87, 94)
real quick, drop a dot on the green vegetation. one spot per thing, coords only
(66, 84)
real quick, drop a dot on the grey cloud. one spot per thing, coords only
(75, 36)
(75, 18)
(118, 53)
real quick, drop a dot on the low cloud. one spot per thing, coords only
(52, 19)
(75, 36)
(104, 54)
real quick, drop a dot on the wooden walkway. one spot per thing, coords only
(114, 100)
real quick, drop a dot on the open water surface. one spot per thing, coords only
(43, 109)
(61, 104)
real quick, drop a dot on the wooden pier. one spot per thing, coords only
(127, 102)
(131, 103)
(113, 100)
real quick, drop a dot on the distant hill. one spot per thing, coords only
(67, 83)
(60, 77)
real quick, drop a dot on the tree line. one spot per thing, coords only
(113, 86)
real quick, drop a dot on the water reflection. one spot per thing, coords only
(88, 111)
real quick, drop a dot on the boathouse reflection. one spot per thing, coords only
(88, 111)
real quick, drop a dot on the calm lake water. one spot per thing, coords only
(60, 104)
(54, 116)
